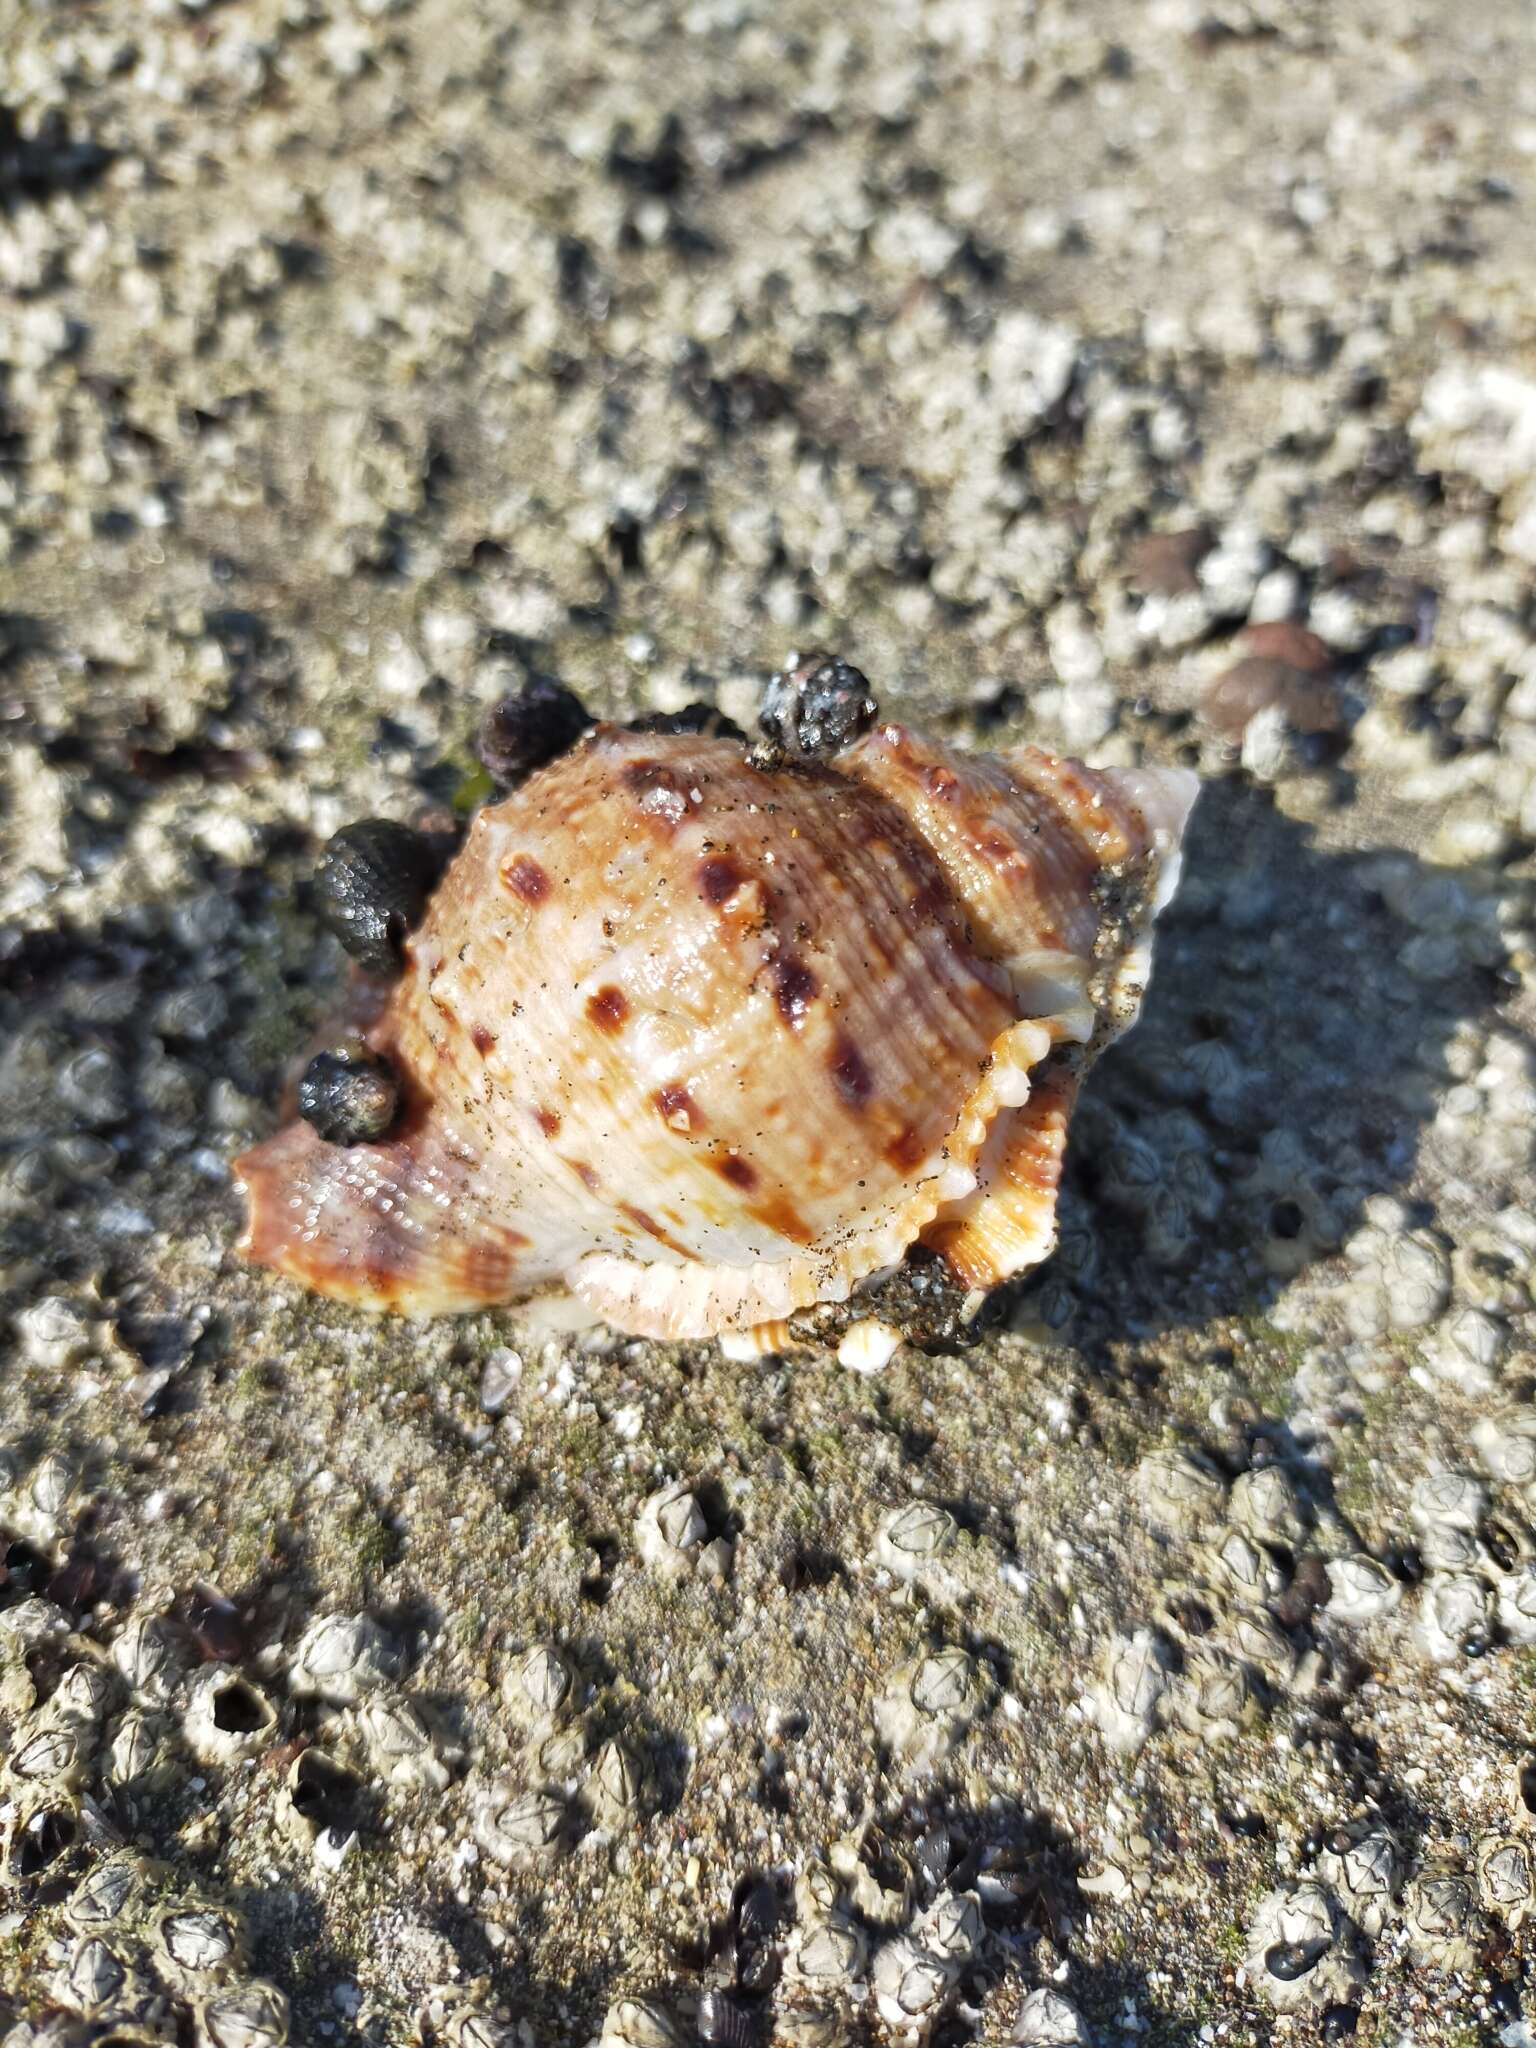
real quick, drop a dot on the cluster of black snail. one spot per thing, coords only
(375, 876)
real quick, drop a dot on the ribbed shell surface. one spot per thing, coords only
(707, 1044)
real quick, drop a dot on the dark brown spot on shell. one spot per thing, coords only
(719, 878)
(1308, 701)
(780, 1214)
(794, 988)
(584, 1174)
(654, 1229)
(608, 1007)
(905, 1150)
(548, 1121)
(483, 1040)
(739, 1172)
(850, 1075)
(674, 1103)
(525, 878)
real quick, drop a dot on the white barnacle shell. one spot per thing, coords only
(54, 1479)
(1360, 1589)
(641, 2021)
(56, 1332)
(1443, 1547)
(55, 1753)
(616, 1787)
(650, 1062)
(671, 1530)
(37, 1833)
(1506, 1443)
(809, 2026)
(1259, 1640)
(392, 1734)
(1213, 1697)
(318, 1800)
(947, 1685)
(1263, 1502)
(1515, 1603)
(138, 1754)
(1364, 1864)
(1299, 1951)
(1451, 1500)
(1129, 1697)
(107, 1895)
(818, 1894)
(195, 1945)
(930, 1705)
(914, 1537)
(227, 1718)
(84, 1693)
(952, 1927)
(340, 1657)
(146, 1655)
(1506, 1882)
(561, 1751)
(1467, 1348)
(1181, 1490)
(539, 1686)
(1415, 1278)
(1442, 1917)
(830, 1953)
(1246, 1566)
(32, 1623)
(1049, 2019)
(521, 1828)
(1454, 1611)
(911, 1985)
(97, 1979)
(249, 2015)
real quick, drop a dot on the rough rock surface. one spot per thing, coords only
(358, 355)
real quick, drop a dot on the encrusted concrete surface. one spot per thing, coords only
(1157, 381)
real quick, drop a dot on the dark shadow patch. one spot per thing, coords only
(1281, 1024)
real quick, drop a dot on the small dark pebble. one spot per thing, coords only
(372, 887)
(1166, 564)
(1340, 2021)
(706, 720)
(810, 711)
(1310, 702)
(350, 1097)
(531, 727)
(1289, 1960)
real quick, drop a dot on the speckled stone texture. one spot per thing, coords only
(1155, 380)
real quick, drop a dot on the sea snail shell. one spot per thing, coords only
(706, 1044)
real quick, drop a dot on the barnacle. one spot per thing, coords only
(709, 1043)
